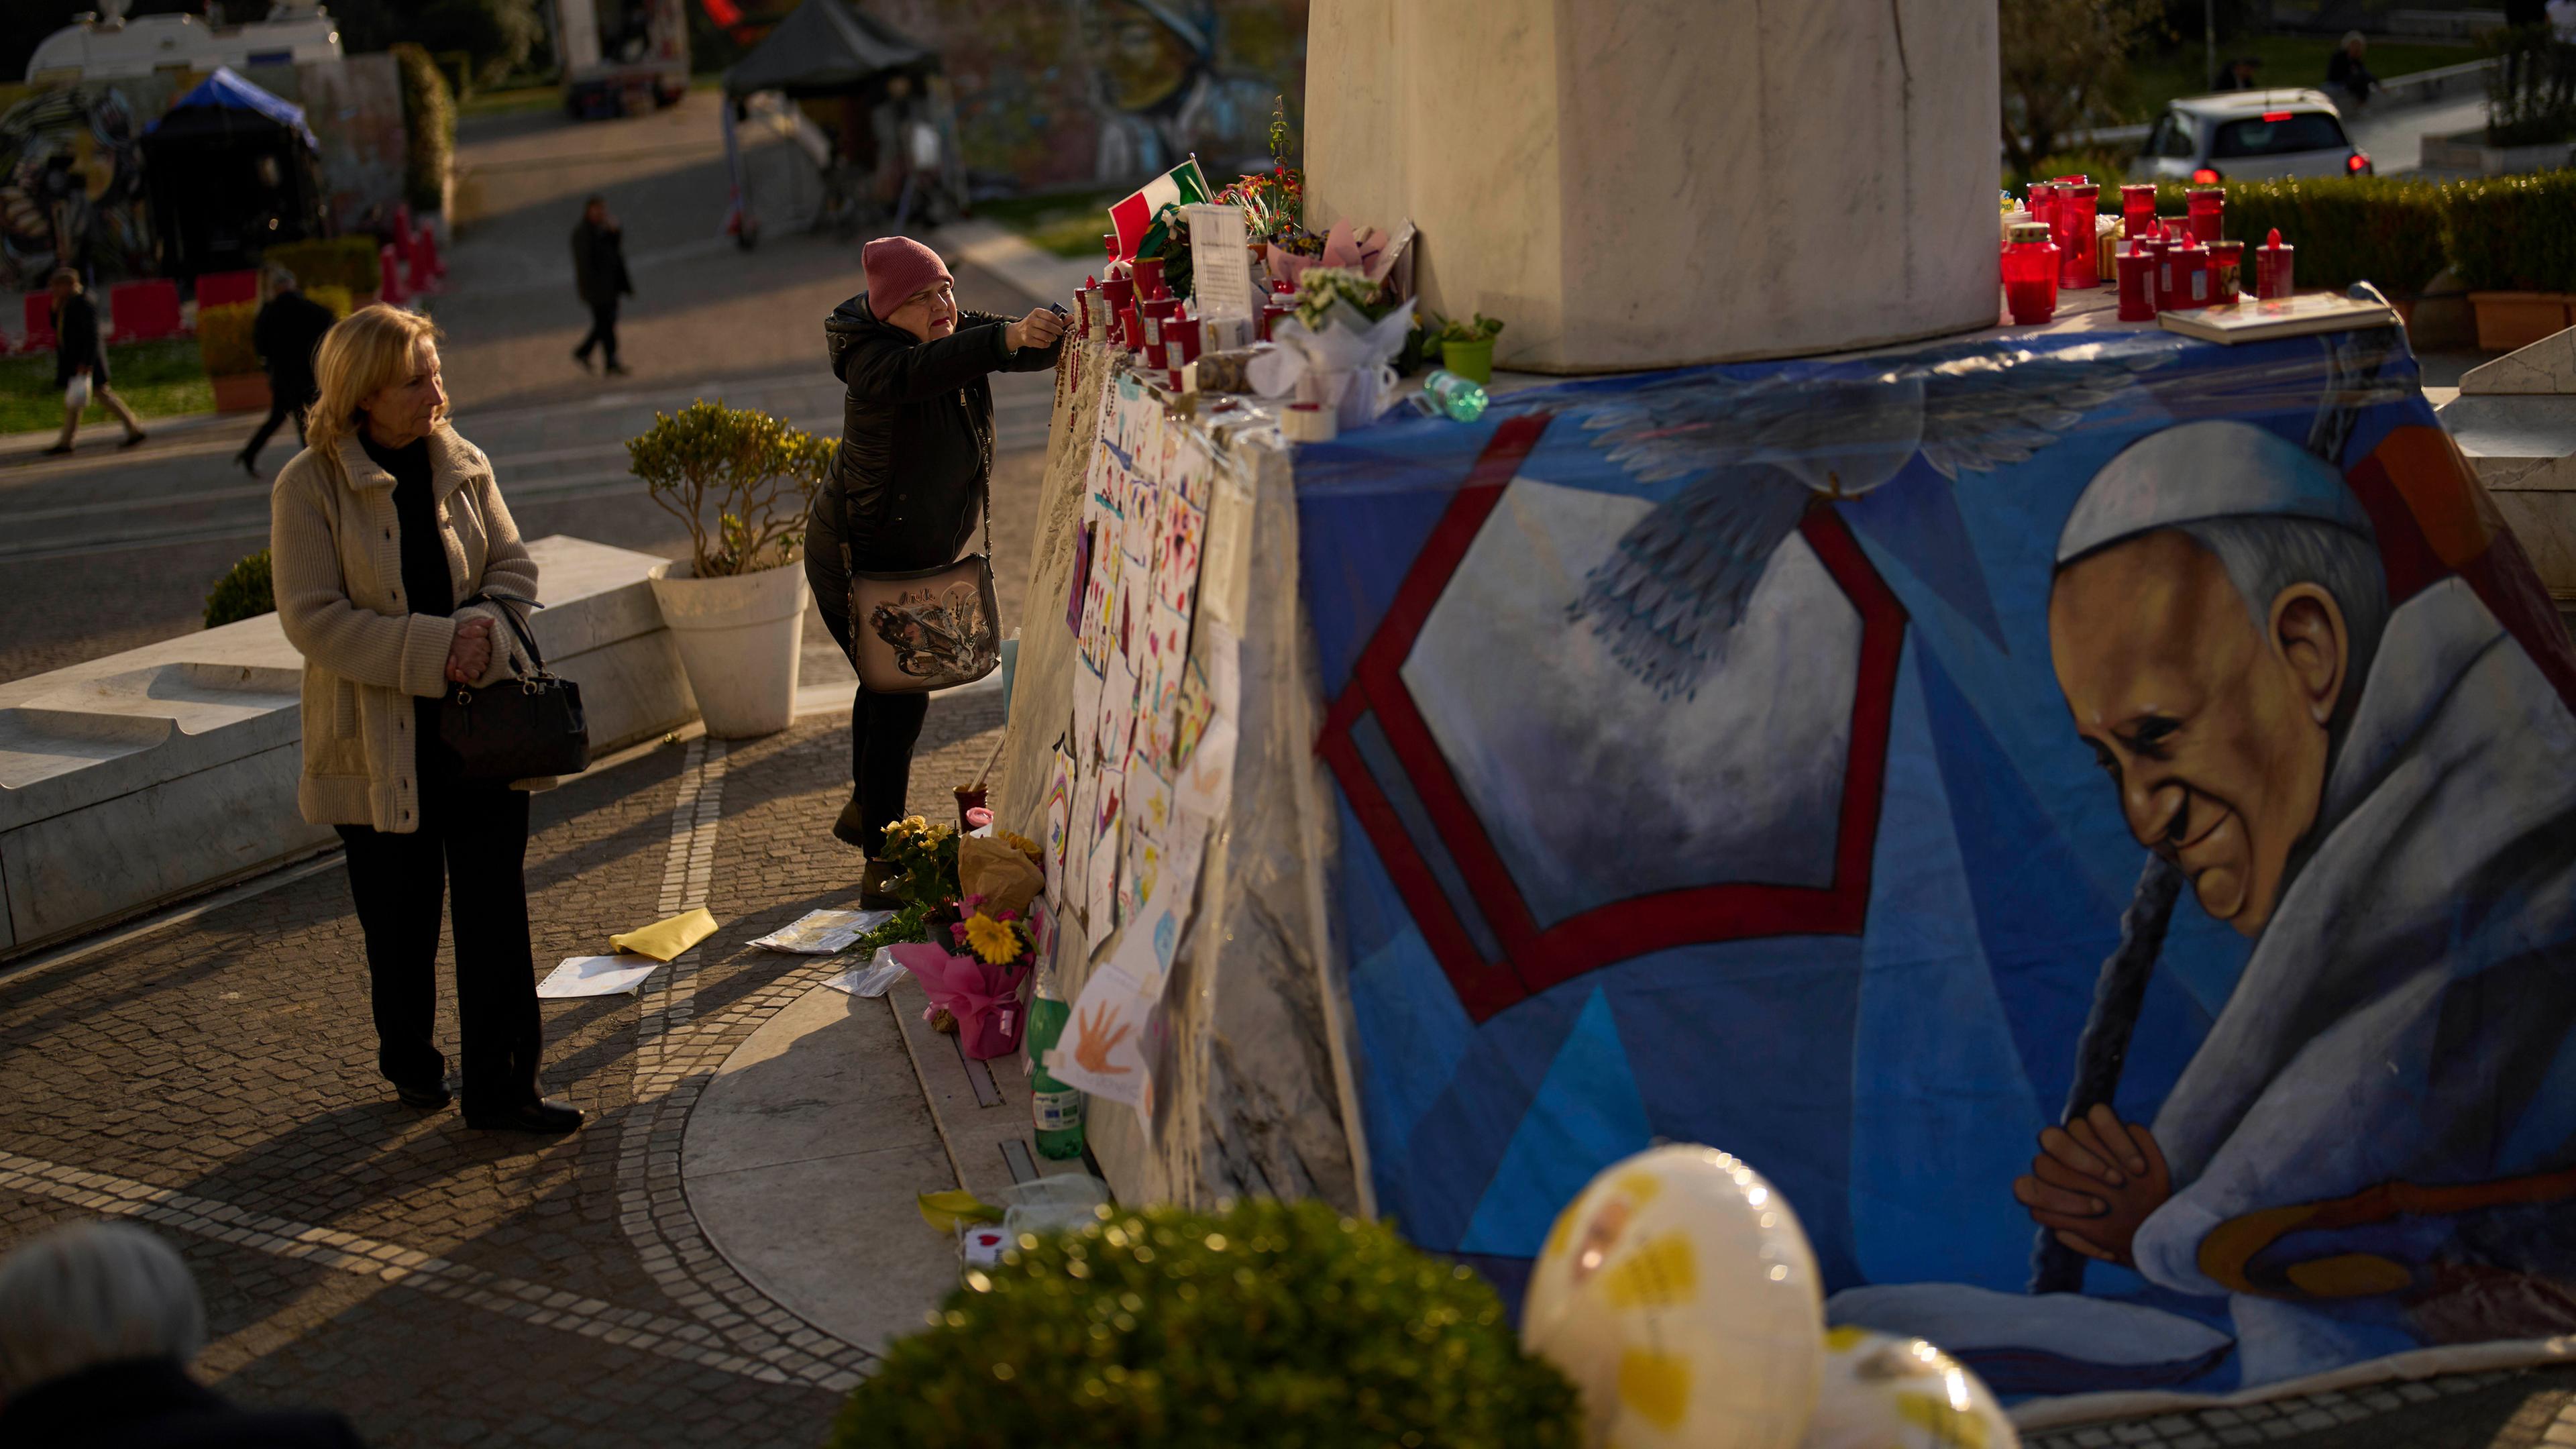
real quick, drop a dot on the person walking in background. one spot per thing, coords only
(78, 358)
(384, 531)
(2239, 74)
(915, 459)
(599, 275)
(284, 334)
(2346, 73)
(98, 1321)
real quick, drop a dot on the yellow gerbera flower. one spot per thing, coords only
(993, 943)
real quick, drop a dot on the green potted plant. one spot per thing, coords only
(1466, 348)
(740, 481)
(1267, 1324)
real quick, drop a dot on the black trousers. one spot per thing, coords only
(475, 837)
(603, 332)
(883, 729)
(280, 408)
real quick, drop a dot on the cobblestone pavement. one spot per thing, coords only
(215, 1079)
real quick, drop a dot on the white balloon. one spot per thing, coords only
(1884, 1392)
(1679, 1294)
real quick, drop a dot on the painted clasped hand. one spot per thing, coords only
(2094, 1182)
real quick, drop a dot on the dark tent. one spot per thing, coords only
(825, 48)
(231, 170)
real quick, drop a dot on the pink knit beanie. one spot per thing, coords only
(897, 267)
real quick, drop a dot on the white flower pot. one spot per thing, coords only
(738, 639)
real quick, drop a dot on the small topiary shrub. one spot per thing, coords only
(2512, 233)
(2385, 230)
(429, 121)
(1267, 1326)
(224, 339)
(342, 261)
(245, 593)
(754, 473)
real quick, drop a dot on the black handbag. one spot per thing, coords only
(524, 726)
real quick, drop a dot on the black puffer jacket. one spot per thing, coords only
(916, 444)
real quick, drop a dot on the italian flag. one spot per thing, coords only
(1135, 216)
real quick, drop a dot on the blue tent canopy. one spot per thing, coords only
(225, 90)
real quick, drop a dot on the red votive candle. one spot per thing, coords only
(2030, 274)
(2273, 267)
(2191, 274)
(2043, 202)
(2137, 211)
(2226, 272)
(1157, 313)
(1149, 278)
(2208, 211)
(2072, 229)
(2137, 283)
(1131, 328)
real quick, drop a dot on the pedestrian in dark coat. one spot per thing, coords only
(915, 460)
(77, 354)
(284, 334)
(97, 1323)
(599, 275)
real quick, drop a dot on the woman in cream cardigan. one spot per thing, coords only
(379, 530)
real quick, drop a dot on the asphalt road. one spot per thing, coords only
(109, 550)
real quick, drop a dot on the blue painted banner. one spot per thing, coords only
(1866, 767)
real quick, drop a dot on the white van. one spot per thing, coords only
(116, 47)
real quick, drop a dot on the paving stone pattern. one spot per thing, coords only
(216, 1081)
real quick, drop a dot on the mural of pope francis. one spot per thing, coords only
(2375, 1147)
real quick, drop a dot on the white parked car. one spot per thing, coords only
(2250, 136)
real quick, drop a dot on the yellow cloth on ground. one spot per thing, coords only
(665, 940)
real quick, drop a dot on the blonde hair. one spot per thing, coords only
(363, 354)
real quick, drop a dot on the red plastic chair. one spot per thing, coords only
(221, 289)
(389, 287)
(144, 311)
(40, 322)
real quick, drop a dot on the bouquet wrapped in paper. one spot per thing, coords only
(982, 997)
(1332, 352)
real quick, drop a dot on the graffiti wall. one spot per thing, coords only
(2094, 824)
(71, 160)
(1072, 91)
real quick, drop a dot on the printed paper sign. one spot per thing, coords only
(1220, 267)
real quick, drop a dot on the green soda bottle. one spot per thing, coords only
(1055, 1109)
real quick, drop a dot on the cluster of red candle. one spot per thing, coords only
(2172, 263)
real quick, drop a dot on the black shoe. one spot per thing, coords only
(250, 467)
(58, 450)
(876, 888)
(427, 1099)
(847, 829)
(584, 359)
(615, 369)
(549, 1117)
(133, 438)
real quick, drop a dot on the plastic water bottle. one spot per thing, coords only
(1055, 1109)
(1454, 397)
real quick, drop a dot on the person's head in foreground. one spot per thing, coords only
(909, 287)
(90, 1294)
(2217, 603)
(377, 369)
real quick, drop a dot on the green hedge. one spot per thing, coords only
(2512, 233)
(1263, 1327)
(244, 593)
(2385, 230)
(429, 122)
(344, 261)
(224, 339)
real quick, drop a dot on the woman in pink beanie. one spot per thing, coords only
(916, 456)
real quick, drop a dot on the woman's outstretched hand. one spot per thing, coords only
(1038, 329)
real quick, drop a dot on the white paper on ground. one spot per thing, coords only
(872, 980)
(597, 976)
(824, 933)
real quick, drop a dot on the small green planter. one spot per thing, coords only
(1473, 361)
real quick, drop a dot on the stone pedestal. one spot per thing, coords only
(2515, 419)
(1669, 181)
(154, 774)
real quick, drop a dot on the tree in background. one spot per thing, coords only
(2064, 63)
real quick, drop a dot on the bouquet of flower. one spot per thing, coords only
(926, 856)
(997, 937)
(974, 988)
